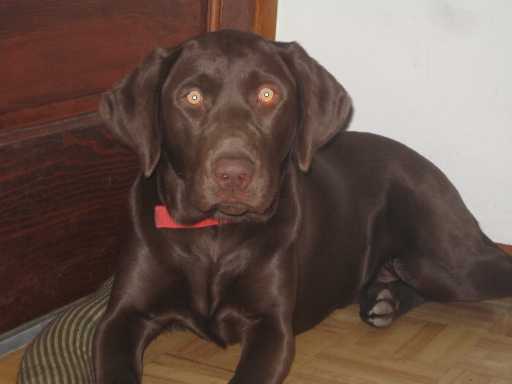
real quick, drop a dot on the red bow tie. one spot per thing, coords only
(164, 220)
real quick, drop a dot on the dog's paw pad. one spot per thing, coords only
(380, 321)
(382, 313)
(382, 308)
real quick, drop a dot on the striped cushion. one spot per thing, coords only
(62, 352)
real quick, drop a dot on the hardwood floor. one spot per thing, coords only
(435, 343)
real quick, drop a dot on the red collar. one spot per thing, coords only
(164, 220)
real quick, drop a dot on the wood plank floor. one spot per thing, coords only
(435, 343)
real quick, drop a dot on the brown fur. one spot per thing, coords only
(323, 218)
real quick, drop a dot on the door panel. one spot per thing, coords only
(54, 52)
(64, 197)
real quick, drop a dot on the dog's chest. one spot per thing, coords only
(212, 283)
(215, 304)
(213, 309)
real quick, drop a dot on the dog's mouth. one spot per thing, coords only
(236, 207)
(233, 209)
(237, 212)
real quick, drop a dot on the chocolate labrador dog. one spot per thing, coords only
(256, 215)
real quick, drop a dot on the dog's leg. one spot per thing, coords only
(433, 249)
(119, 345)
(484, 272)
(267, 354)
(405, 283)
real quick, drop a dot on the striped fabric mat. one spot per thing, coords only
(62, 352)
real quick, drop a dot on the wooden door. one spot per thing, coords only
(63, 180)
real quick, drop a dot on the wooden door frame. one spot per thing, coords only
(259, 16)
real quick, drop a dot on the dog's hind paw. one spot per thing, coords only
(380, 311)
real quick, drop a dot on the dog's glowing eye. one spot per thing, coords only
(194, 97)
(266, 95)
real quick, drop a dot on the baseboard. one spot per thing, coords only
(25, 333)
(19, 337)
(507, 248)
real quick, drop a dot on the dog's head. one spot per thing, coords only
(221, 115)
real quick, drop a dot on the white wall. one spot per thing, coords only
(433, 74)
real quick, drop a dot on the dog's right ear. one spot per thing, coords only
(131, 108)
(325, 106)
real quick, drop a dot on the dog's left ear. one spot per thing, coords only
(131, 109)
(325, 106)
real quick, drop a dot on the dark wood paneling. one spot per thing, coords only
(47, 113)
(63, 193)
(61, 50)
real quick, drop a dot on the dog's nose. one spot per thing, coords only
(233, 173)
